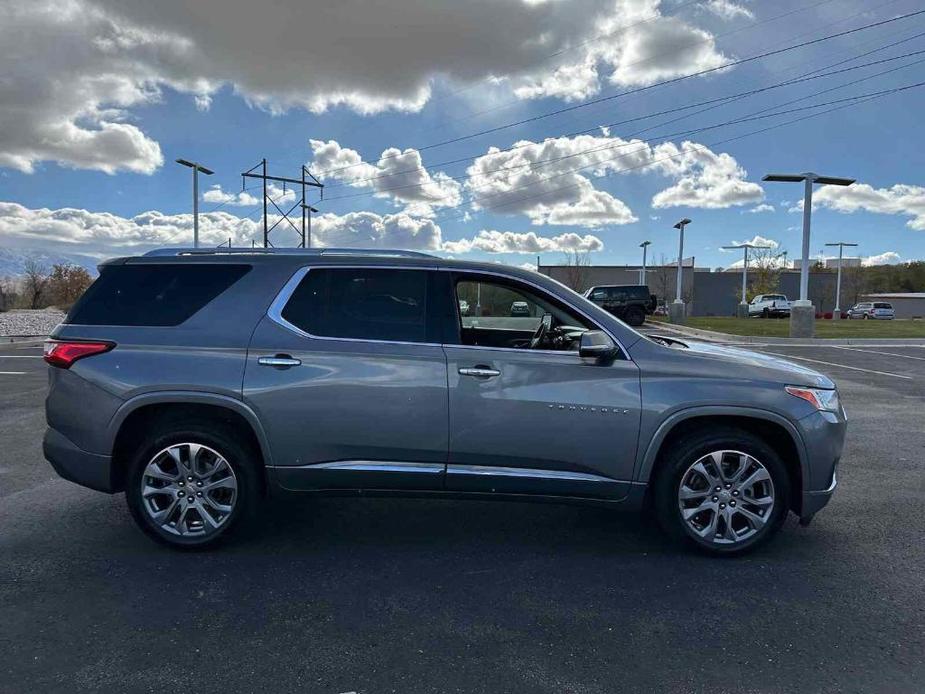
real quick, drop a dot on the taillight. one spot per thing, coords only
(63, 354)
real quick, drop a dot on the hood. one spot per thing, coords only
(775, 368)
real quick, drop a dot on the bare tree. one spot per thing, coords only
(35, 283)
(7, 293)
(662, 276)
(854, 281)
(576, 270)
(764, 269)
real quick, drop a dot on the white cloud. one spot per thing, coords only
(706, 179)
(398, 174)
(217, 195)
(763, 207)
(371, 230)
(887, 258)
(489, 241)
(756, 240)
(76, 70)
(899, 199)
(726, 9)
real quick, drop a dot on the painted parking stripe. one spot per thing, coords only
(20, 356)
(12, 373)
(873, 351)
(840, 366)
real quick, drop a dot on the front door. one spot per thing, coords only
(349, 380)
(527, 414)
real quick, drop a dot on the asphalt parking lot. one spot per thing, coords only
(372, 595)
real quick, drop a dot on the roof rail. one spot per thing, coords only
(378, 252)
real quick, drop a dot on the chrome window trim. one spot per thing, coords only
(534, 473)
(368, 466)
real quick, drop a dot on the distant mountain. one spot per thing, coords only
(13, 260)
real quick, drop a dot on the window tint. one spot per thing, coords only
(364, 304)
(153, 295)
(883, 305)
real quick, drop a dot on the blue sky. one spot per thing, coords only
(95, 120)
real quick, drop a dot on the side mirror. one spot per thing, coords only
(596, 344)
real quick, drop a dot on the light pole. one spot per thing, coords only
(802, 314)
(742, 311)
(836, 313)
(196, 169)
(642, 273)
(676, 311)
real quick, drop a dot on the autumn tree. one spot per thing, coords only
(67, 283)
(764, 269)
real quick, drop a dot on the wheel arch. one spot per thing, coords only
(139, 412)
(775, 430)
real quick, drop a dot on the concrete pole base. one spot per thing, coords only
(836, 315)
(802, 321)
(742, 311)
(677, 313)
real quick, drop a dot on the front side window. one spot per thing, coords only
(362, 303)
(513, 316)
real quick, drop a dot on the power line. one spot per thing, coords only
(674, 80)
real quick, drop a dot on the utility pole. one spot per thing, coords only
(742, 311)
(196, 169)
(836, 313)
(304, 231)
(642, 273)
(802, 313)
(676, 310)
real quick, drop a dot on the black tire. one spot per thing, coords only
(220, 438)
(686, 452)
(765, 313)
(635, 316)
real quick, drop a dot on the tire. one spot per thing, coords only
(765, 313)
(635, 316)
(740, 448)
(233, 484)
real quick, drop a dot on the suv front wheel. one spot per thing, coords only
(190, 484)
(724, 491)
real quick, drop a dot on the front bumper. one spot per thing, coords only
(824, 437)
(77, 465)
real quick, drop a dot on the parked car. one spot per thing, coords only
(520, 308)
(876, 310)
(630, 303)
(201, 382)
(769, 305)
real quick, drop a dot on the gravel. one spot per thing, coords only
(27, 322)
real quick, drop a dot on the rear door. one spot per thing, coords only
(349, 379)
(539, 421)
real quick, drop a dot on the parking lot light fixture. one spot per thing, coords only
(680, 227)
(642, 273)
(841, 247)
(196, 169)
(745, 247)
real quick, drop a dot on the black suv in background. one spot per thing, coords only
(630, 303)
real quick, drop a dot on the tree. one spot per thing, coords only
(35, 284)
(853, 284)
(662, 275)
(764, 268)
(7, 293)
(67, 283)
(576, 270)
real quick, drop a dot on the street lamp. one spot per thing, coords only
(836, 314)
(676, 310)
(196, 169)
(642, 273)
(743, 310)
(802, 315)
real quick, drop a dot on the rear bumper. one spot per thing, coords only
(77, 465)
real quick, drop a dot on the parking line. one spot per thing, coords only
(20, 356)
(873, 351)
(840, 366)
(12, 373)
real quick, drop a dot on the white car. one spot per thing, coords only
(874, 310)
(767, 305)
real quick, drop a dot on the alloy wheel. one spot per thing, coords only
(189, 490)
(726, 497)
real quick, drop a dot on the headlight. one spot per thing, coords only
(825, 400)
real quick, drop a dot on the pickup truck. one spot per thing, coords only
(767, 305)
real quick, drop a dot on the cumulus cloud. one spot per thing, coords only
(726, 9)
(217, 195)
(398, 174)
(763, 207)
(899, 199)
(551, 181)
(887, 258)
(76, 70)
(756, 240)
(490, 241)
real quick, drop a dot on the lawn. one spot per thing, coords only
(773, 327)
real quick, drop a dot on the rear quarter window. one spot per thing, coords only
(152, 295)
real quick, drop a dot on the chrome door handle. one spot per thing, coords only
(279, 360)
(480, 372)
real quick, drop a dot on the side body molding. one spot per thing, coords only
(185, 397)
(647, 461)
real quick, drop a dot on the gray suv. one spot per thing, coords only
(201, 382)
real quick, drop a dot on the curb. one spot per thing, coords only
(714, 336)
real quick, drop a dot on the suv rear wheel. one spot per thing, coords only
(189, 485)
(635, 316)
(724, 491)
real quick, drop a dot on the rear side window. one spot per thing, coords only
(362, 304)
(881, 305)
(152, 295)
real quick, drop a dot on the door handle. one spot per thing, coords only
(279, 361)
(479, 372)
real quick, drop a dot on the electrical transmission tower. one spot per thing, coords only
(306, 180)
